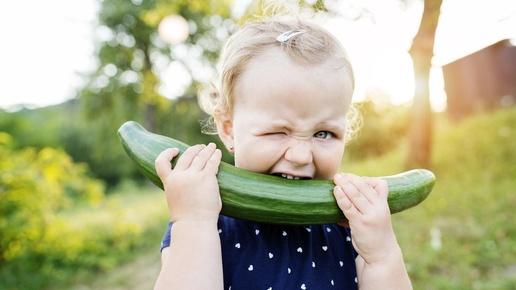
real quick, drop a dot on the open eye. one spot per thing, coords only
(323, 135)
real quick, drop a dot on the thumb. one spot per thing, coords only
(162, 163)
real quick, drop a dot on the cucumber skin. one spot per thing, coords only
(268, 199)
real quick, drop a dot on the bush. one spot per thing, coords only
(34, 186)
(383, 126)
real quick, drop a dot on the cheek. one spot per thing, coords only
(257, 154)
(250, 156)
(328, 169)
(252, 161)
(328, 161)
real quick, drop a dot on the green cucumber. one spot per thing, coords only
(268, 199)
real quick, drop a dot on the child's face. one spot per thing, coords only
(289, 119)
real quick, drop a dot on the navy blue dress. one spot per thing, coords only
(277, 257)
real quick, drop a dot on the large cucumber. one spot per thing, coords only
(266, 198)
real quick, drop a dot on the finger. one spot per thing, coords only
(162, 162)
(203, 156)
(188, 156)
(379, 185)
(357, 197)
(364, 188)
(213, 163)
(344, 203)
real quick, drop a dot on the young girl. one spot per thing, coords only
(285, 91)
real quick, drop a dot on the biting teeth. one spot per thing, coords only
(290, 176)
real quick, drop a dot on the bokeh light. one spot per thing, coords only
(173, 29)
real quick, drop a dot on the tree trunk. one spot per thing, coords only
(420, 134)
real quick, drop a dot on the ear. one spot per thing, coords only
(225, 130)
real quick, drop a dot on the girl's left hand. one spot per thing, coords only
(364, 203)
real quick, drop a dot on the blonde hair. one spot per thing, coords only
(314, 46)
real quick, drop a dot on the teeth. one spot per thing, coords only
(290, 176)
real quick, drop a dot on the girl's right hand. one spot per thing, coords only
(191, 188)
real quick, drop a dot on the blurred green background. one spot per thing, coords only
(75, 213)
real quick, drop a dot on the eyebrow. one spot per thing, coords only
(333, 125)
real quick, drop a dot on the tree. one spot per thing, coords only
(131, 56)
(421, 51)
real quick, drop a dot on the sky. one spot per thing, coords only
(50, 42)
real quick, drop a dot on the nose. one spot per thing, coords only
(299, 153)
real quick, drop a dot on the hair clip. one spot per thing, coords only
(286, 36)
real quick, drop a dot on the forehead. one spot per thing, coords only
(274, 73)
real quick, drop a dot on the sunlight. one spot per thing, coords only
(44, 47)
(437, 94)
(393, 74)
(377, 43)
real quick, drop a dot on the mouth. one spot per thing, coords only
(288, 176)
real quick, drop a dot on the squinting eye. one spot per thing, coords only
(323, 135)
(275, 133)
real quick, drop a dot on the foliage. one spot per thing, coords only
(383, 126)
(62, 127)
(29, 129)
(128, 83)
(85, 241)
(55, 222)
(462, 236)
(34, 185)
(131, 57)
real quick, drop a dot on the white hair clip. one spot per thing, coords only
(286, 36)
